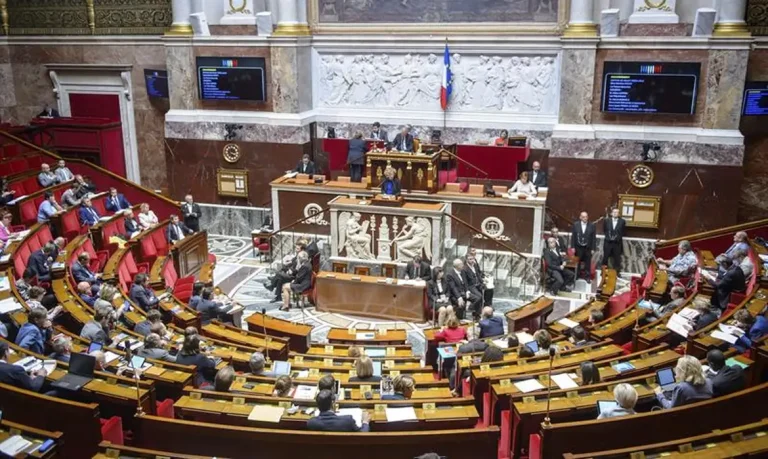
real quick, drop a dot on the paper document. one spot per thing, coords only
(290, 174)
(304, 392)
(732, 361)
(647, 304)
(9, 305)
(5, 283)
(373, 353)
(266, 413)
(731, 330)
(680, 325)
(303, 374)
(724, 336)
(110, 357)
(564, 381)
(366, 335)
(57, 265)
(567, 323)
(14, 445)
(529, 385)
(5, 258)
(49, 366)
(524, 337)
(689, 313)
(356, 413)
(502, 343)
(406, 413)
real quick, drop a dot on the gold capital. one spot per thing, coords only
(580, 31)
(731, 29)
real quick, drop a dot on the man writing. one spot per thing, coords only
(613, 230)
(584, 241)
(305, 166)
(328, 421)
(404, 140)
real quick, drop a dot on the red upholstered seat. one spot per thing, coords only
(34, 162)
(34, 244)
(70, 224)
(19, 265)
(165, 408)
(161, 243)
(18, 187)
(148, 250)
(133, 267)
(28, 212)
(112, 430)
(30, 185)
(98, 204)
(44, 235)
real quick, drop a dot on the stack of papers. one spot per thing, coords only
(690, 314)
(109, 357)
(529, 385)
(564, 381)
(406, 413)
(356, 413)
(680, 325)
(304, 392)
(731, 330)
(502, 343)
(524, 337)
(730, 339)
(9, 305)
(566, 323)
(5, 283)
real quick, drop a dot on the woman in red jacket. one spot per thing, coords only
(452, 333)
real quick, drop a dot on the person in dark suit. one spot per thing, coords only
(205, 367)
(562, 278)
(584, 241)
(490, 325)
(305, 166)
(473, 276)
(437, 294)
(707, 316)
(116, 202)
(732, 281)
(418, 269)
(88, 215)
(404, 140)
(40, 262)
(377, 133)
(537, 176)
(140, 294)
(176, 230)
(302, 281)
(390, 186)
(14, 375)
(458, 291)
(328, 421)
(404, 386)
(725, 379)
(562, 241)
(210, 309)
(81, 270)
(48, 112)
(580, 337)
(144, 327)
(613, 246)
(356, 156)
(191, 213)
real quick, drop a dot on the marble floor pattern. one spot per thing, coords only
(241, 274)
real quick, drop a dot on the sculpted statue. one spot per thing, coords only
(354, 237)
(415, 237)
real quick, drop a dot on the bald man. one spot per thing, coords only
(584, 241)
(490, 325)
(537, 176)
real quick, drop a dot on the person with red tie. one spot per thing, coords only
(88, 215)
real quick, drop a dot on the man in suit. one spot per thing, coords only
(81, 270)
(328, 421)
(584, 240)
(562, 278)
(144, 327)
(48, 112)
(418, 269)
(305, 166)
(404, 140)
(88, 215)
(537, 176)
(579, 337)
(302, 281)
(14, 375)
(40, 262)
(490, 325)
(176, 230)
(46, 177)
(38, 330)
(613, 246)
(377, 133)
(356, 157)
(458, 291)
(725, 379)
(153, 349)
(116, 201)
(131, 225)
(732, 281)
(561, 241)
(191, 213)
(63, 173)
(473, 276)
(210, 309)
(141, 295)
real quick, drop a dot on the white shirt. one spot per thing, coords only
(179, 232)
(583, 228)
(534, 175)
(147, 220)
(520, 187)
(615, 222)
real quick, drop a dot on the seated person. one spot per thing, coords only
(683, 265)
(33, 335)
(626, 398)
(731, 281)
(691, 385)
(116, 202)
(544, 340)
(143, 327)
(205, 368)
(305, 166)
(210, 309)
(589, 373)
(354, 352)
(403, 140)
(677, 298)
(224, 379)
(147, 218)
(580, 337)
(522, 186)
(25, 283)
(490, 325)
(328, 421)
(63, 173)
(725, 379)
(256, 363)
(69, 197)
(197, 291)
(754, 328)
(364, 370)
(39, 298)
(524, 352)
(390, 186)
(437, 294)
(283, 387)
(301, 283)
(512, 341)
(81, 271)
(418, 269)
(132, 227)
(706, 317)
(6, 195)
(48, 208)
(85, 187)
(153, 349)
(326, 382)
(404, 386)
(62, 348)
(503, 139)
(160, 330)
(740, 242)
(14, 375)
(492, 354)
(46, 177)
(595, 317)
(459, 292)
(452, 332)
(141, 294)
(741, 258)
(97, 330)
(176, 230)
(555, 260)
(88, 215)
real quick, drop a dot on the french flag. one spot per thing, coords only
(447, 85)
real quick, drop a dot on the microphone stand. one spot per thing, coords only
(266, 335)
(129, 357)
(547, 421)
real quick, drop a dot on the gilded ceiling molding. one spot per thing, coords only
(757, 17)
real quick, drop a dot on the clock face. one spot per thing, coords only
(231, 153)
(641, 176)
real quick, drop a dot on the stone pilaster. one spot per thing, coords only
(726, 74)
(577, 76)
(291, 67)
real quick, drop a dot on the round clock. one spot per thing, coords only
(641, 176)
(231, 153)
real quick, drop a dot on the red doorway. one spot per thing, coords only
(101, 106)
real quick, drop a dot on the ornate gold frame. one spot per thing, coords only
(458, 28)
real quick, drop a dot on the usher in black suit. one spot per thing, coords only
(584, 241)
(613, 245)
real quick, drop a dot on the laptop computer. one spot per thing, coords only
(281, 367)
(533, 345)
(666, 379)
(81, 368)
(94, 347)
(605, 405)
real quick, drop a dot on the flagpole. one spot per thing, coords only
(445, 112)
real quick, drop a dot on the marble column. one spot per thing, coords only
(292, 18)
(291, 69)
(581, 22)
(181, 11)
(730, 21)
(577, 76)
(180, 62)
(726, 74)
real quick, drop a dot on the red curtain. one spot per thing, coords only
(102, 106)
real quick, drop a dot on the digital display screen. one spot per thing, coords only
(648, 87)
(232, 78)
(755, 98)
(157, 83)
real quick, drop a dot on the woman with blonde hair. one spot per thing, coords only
(452, 332)
(404, 386)
(522, 186)
(283, 386)
(544, 341)
(691, 385)
(364, 370)
(147, 218)
(354, 351)
(390, 186)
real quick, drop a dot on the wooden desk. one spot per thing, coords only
(382, 336)
(36, 436)
(580, 315)
(532, 316)
(619, 327)
(342, 350)
(659, 285)
(298, 335)
(190, 254)
(417, 172)
(607, 286)
(343, 293)
(707, 260)
(656, 332)
(277, 347)
(112, 451)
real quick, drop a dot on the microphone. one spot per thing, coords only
(266, 335)
(129, 357)
(549, 384)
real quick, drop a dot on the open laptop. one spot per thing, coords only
(281, 367)
(94, 346)
(81, 368)
(666, 379)
(533, 345)
(605, 405)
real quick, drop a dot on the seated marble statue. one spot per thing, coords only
(415, 237)
(354, 237)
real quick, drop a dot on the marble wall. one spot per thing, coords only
(726, 72)
(631, 150)
(8, 94)
(576, 86)
(753, 204)
(291, 78)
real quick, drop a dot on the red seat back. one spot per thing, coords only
(34, 162)
(28, 212)
(98, 204)
(24, 253)
(34, 244)
(70, 224)
(130, 264)
(169, 274)
(161, 243)
(30, 185)
(44, 235)
(18, 187)
(148, 249)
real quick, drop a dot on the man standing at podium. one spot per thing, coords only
(377, 133)
(404, 140)
(356, 156)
